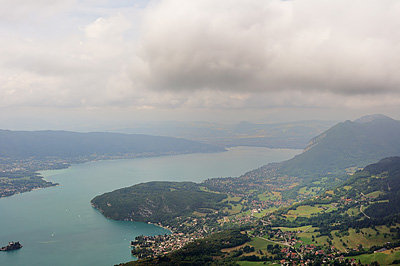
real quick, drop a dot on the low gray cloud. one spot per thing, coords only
(259, 46)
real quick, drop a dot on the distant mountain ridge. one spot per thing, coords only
(292, 135)
(370, 118)
(348, 144)
(344, 147)
(39, 144)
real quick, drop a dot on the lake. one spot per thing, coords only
(58, 226)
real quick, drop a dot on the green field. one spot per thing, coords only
(384, 258)
(236, 208)
(367, 238)
(256, 263)
(353, 211)
(294, 229)
(278, 195)
(199, 214)
(266, 196)
(232, 199)
(307, 237)
(260, 214)
(270, 195)
(309, 190)
(303, 211)
(261, 243)
(375, 194)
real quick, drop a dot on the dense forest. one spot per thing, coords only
(157, 201)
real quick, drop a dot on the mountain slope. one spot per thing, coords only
(383, 180)
(25, 144)
(348, 144)
(371, 197)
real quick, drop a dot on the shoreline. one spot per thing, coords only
(67, 165)
(161, 226)
(131, 220)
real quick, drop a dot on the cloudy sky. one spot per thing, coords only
(87, 64)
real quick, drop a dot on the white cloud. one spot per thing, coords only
(22, 11)
(337, 46)
(108, 29)
(226, 54)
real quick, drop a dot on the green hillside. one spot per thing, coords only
(330, 157)
(380, 181)
(157, 201)
(370, 198)
(348, 144)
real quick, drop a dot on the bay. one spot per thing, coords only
(58, 226)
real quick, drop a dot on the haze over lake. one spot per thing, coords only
(58, 226)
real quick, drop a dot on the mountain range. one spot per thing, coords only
(65, 144)
(294, 135)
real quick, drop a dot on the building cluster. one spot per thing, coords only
(153, 246)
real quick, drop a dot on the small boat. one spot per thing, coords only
(11, 246)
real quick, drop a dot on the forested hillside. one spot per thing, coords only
(382, 181)
(348, 144)
(371, 197)
(157, 201)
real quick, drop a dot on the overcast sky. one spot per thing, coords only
(87, 64)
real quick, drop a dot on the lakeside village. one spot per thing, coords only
(283, 246)
(186, 230)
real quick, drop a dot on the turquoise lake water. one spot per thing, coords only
(58, 226)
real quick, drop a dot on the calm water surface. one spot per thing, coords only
(58, 226)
